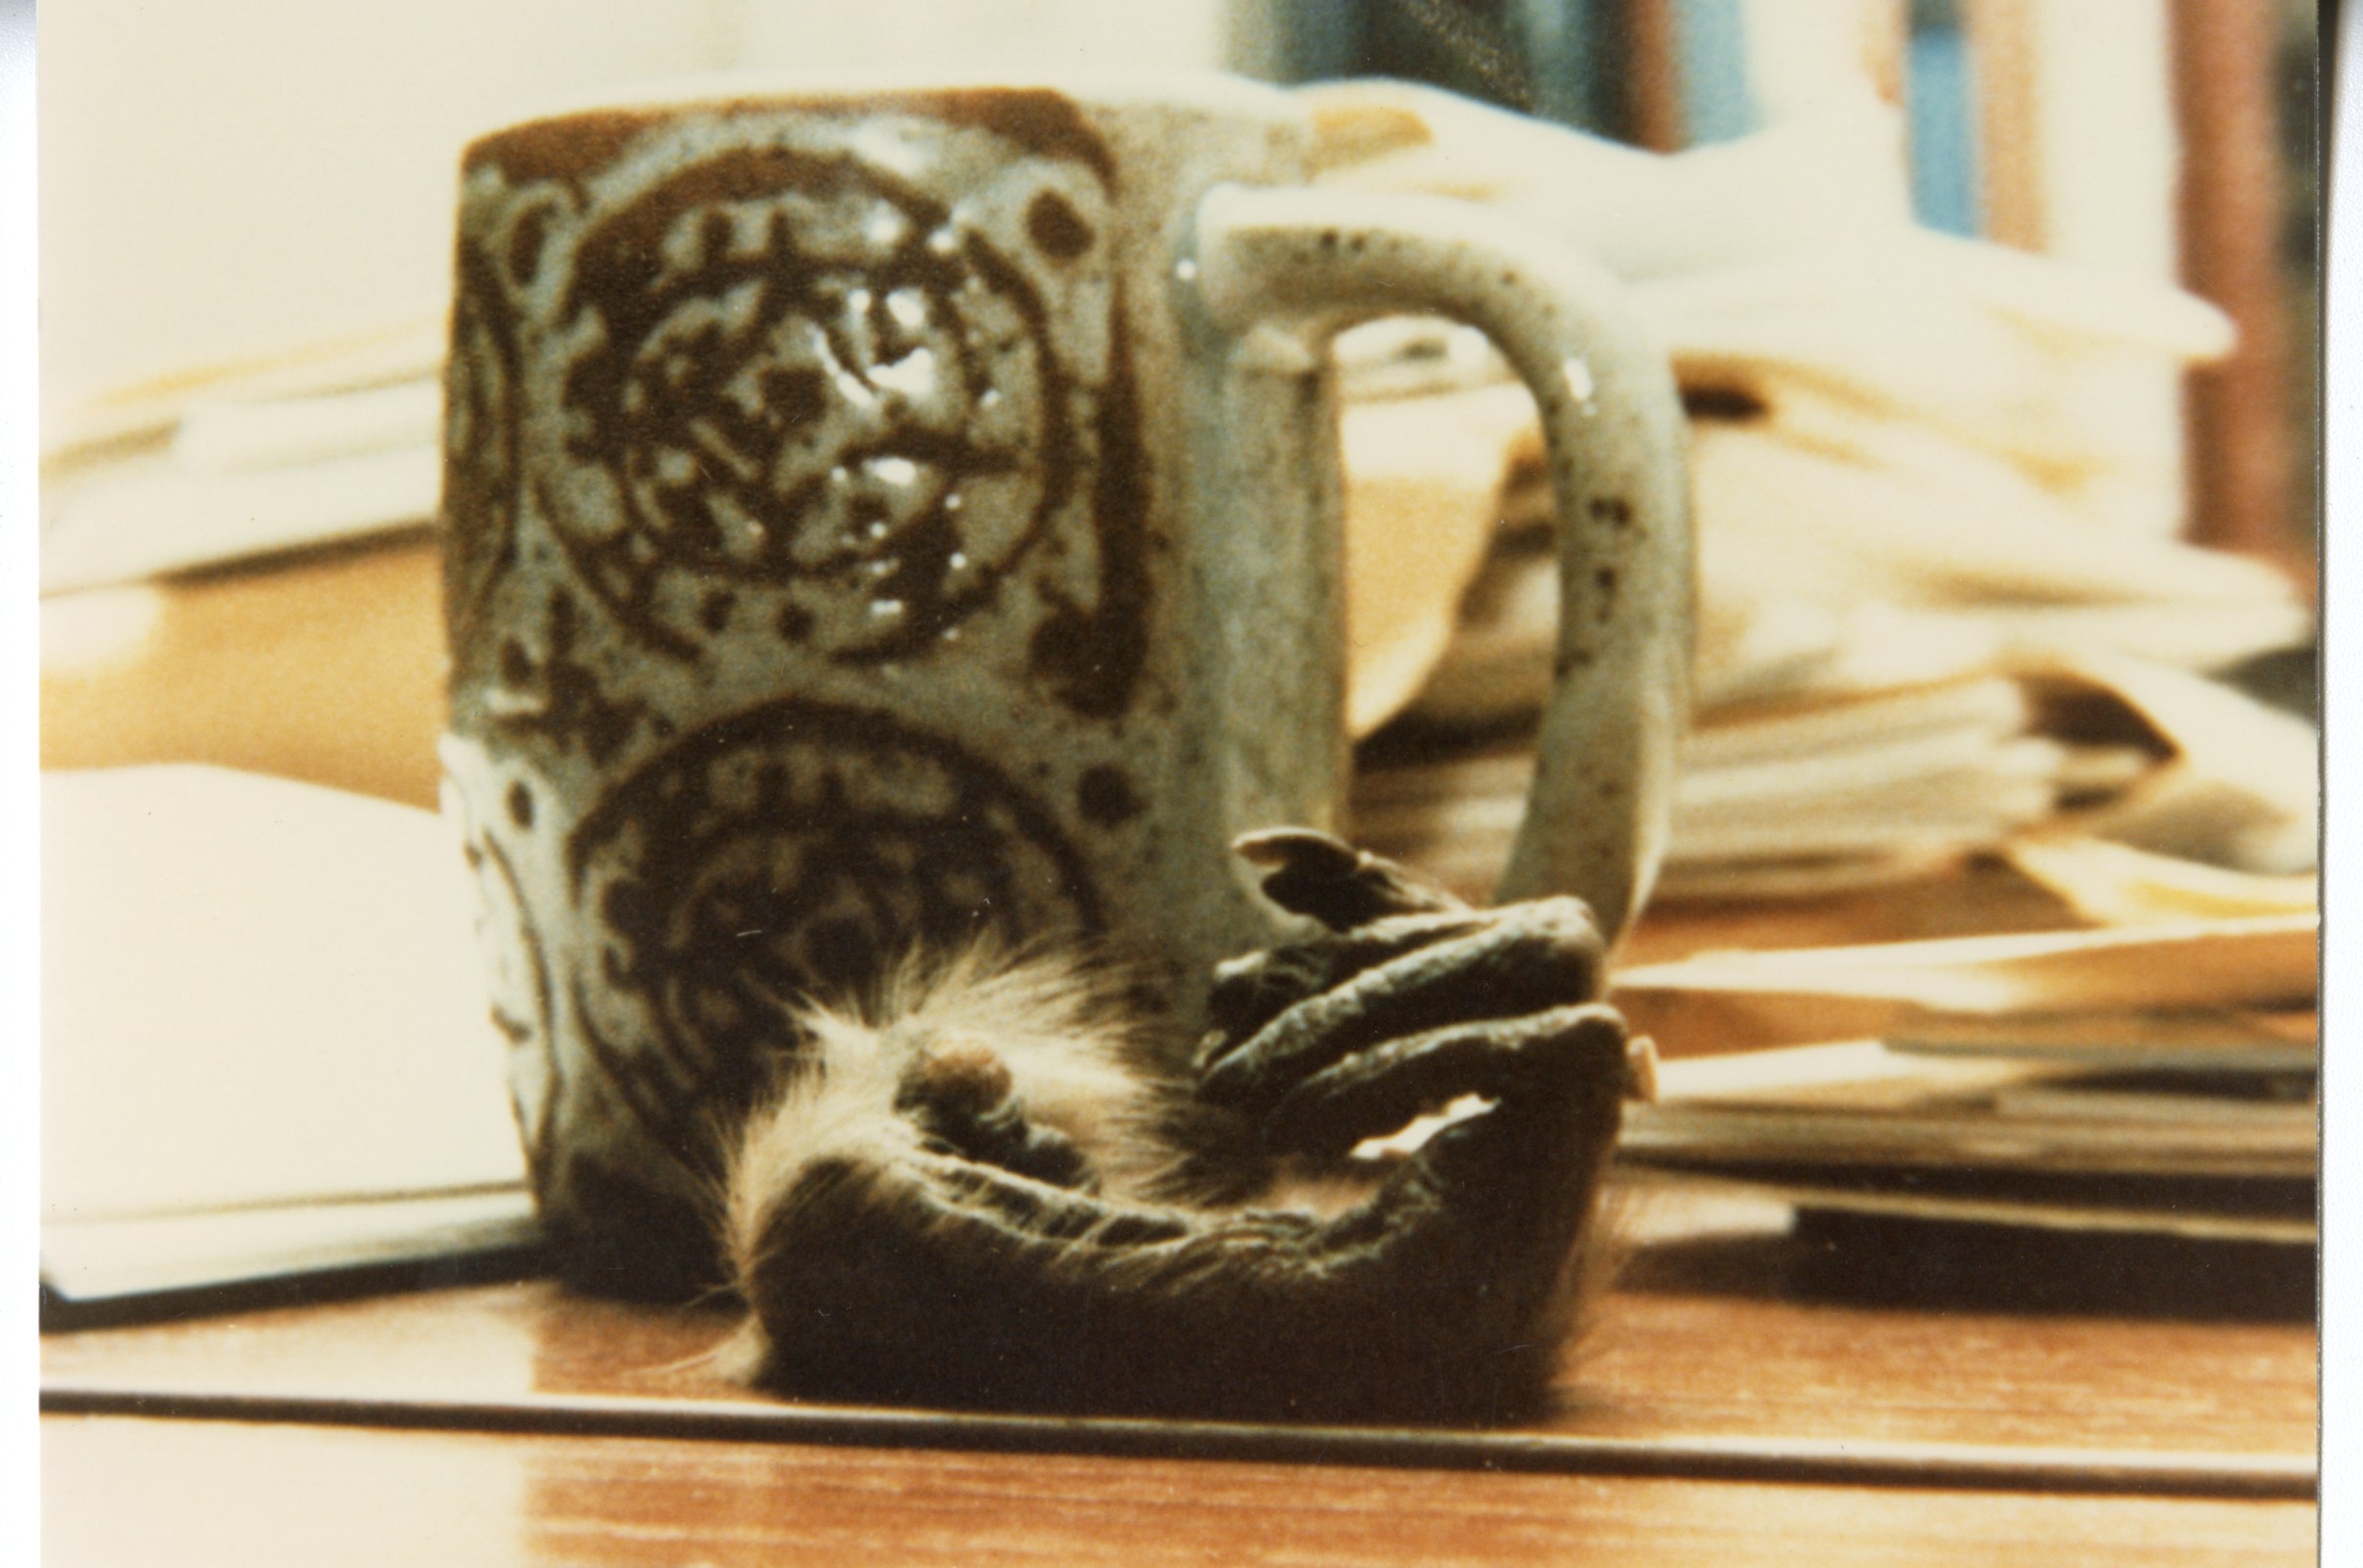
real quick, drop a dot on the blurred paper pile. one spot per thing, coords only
(1947, 637)
(2158, 1077)
(318, 446)
(1941, 604)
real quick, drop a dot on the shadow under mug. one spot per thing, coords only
(883, 514)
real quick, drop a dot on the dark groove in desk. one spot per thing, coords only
(1811, 1461)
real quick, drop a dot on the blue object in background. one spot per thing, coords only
(1564, 60)
(1941, 97)
(1569, 47)
(1717, 104)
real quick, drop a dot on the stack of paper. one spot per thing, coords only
(265, 1044)
(336, 443)
(1941, 604)
(2212, 1144)
(2160, 1077)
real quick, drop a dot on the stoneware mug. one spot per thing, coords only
(883, 512)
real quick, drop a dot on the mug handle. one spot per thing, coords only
(1314, 262)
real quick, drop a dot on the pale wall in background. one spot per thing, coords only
(221, 178)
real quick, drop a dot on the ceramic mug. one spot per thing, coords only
(880, 514)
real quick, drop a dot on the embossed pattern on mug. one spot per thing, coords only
(481, 416)
(795, 847)
(523, 1005)
(848, 380)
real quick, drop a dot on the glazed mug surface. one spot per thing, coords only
(882, 514)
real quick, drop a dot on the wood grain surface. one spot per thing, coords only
(127, 1491)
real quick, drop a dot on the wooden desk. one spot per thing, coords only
(1750, 1394)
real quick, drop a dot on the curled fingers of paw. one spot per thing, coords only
(1251, 990)
(1548, 1056)
(1526, 958)
(1326, 879)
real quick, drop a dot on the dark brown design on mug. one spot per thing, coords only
(620, 1234)
(790, 850)
(803, 373)
(566, 149)
(483, 410)
(1105, 796)
(1089, 656)
(1045, 123)
(574, 149)
(520, 997)
(553, 693)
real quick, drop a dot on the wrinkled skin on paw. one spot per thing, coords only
(1410, 999)
(993, 1265)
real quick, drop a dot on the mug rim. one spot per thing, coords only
(883, 87)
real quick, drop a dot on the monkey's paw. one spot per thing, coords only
(1410, 1000)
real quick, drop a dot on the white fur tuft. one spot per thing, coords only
(1050, 1022)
